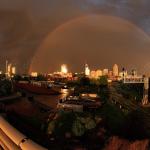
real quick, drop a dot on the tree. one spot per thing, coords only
(137, 125)
(131, 91)
(103, 90)
(102, 81)
(17, 77)
(113, 117)
(41, 77)
(84, 81)
(5, 87)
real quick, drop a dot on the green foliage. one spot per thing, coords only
(2, 76)
(85, 89)
(87, 120)
(41, 77)
(113, 118)
(26, 78)
(103, 92)
(90, 124)
(5, 87)
(64, 123)
(17, 77)
(102, 81)
(131, 91)
(51, 127)
(71, 122)
(137, 124)
(84, 81)
(72, 83)
(94, 82)
(78, 128)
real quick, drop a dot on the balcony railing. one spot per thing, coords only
(12, 139)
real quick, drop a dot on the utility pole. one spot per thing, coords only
(145, 93)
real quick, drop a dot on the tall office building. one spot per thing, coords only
(13, 70)
(9, 70)
(115, 70)
(105, 72)
(6, 71)
(99, 73)
(87, 70)
(93, 74)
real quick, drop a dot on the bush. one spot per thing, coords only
(103, 92)
(5, 87)
(137, 125)
(102, 81)
(84, 81)
(131, 91)
(113, 118)
(76, 124)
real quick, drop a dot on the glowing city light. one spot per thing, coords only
(64, 69)
(87, 70)
(13, 70)
(115, 70)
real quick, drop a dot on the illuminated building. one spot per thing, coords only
(64, 69)
(110, 73)
(6, 68)
(34, 74)
(9, 68)
(96, 74)
(62, 74)
(99, 73)
(123, 74)
(9, 71)
(134, 72)
(87, 70)
(13, 70)
(105, 72)
(93, 74)
(115, 70)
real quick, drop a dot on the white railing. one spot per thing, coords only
(11, 138)
(133, 80)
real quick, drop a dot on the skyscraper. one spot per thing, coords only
(87, 70)
(9, 69)
(115, 70)
(105, 72)
(13, 70)
(99, 73)
(93, 74)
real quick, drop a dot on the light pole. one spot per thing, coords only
(145, 94)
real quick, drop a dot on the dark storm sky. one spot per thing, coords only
(25, 24)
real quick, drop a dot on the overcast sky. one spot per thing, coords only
(29, 29)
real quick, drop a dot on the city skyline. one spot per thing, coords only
(114, 70)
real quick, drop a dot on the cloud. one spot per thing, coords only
(12, 4)
(99, 39)
(26, 23)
